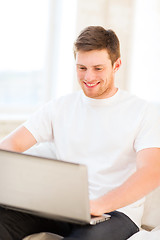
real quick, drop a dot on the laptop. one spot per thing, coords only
(46, 187)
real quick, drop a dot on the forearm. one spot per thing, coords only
(11, 145)
(19, 141)
(143, 181)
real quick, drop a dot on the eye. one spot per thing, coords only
(98, 68)
(82, 68)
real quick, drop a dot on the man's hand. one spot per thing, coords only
(96, 207)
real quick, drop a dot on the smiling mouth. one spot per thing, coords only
(91, 85)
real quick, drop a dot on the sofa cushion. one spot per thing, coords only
(151, 216)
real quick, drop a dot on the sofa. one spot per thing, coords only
(150, 228)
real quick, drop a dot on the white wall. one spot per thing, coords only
(144, 75)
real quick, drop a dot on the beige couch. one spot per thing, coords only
(151, 217)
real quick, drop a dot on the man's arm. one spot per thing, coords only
(139, 184)
(19, 140)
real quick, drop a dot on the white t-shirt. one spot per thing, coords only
(104, 134)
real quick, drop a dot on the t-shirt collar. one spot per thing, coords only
(100, 102)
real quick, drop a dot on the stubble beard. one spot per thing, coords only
(102, 91)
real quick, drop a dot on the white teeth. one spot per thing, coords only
(91, 84)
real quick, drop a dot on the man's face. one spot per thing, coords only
(95, 73)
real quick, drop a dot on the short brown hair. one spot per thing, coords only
(98, 38)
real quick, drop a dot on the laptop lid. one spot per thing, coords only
(46, 187)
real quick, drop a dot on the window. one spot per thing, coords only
(35, 52)
(23, 27)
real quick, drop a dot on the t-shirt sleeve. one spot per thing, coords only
(148, 135)
(40, 124)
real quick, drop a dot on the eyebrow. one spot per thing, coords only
(92, 66)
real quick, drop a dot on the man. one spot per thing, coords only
(115, 134)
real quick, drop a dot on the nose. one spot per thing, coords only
(89, 75)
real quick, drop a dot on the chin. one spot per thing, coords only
(91, 95)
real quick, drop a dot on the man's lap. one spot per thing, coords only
(18, 225)
(118, 227)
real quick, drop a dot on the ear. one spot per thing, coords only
(117, 64)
